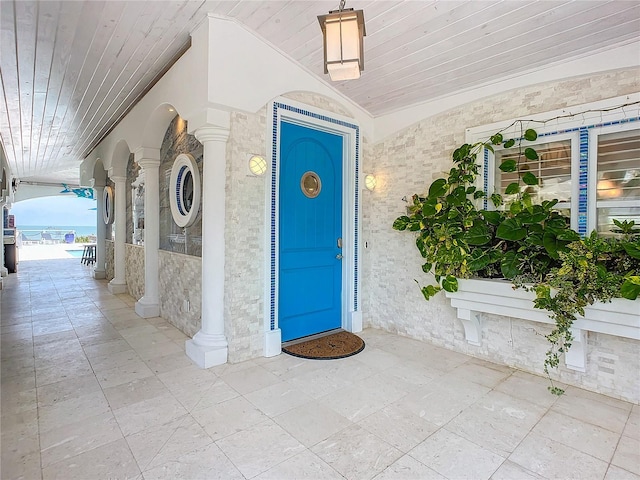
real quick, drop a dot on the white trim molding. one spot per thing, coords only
(183, 165)
(476, 297)
(107, 205)
(577, 123)
(301, 114)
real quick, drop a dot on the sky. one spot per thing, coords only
(67, 210)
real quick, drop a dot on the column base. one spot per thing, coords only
(273, 343)
(146, 309)
(117, 288)
(99, 274)
(205, 356)
(4, 271)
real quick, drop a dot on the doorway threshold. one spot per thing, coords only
(312, 337)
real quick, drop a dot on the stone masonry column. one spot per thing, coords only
(149, 159)
(119, 282)
(99, 271)
(208, 347)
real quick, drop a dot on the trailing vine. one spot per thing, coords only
(526, 242)
(592, 269)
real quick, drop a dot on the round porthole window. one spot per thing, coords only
(310, 184)
(184, 190)
(107, 211)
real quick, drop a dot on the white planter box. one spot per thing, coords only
(474, 298)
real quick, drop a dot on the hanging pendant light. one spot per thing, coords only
(343, 31)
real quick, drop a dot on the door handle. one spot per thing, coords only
(339, 242)
(339, 256)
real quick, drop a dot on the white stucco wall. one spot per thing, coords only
(196, 95)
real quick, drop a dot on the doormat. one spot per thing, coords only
(331, 347)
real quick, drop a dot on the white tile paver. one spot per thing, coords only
(90, 390)
(455, 457)
(552, 459)
(356, 453)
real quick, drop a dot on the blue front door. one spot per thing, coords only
(310, 274)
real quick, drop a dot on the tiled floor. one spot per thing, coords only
(89, 390)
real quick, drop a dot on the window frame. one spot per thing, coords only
(617, 113)
(543, 138)
(592, 187)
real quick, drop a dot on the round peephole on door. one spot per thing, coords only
(310, 184)
(184, 190)
(107, 211)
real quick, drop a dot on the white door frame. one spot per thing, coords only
(282, 109)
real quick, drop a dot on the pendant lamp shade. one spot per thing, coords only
(343, 31)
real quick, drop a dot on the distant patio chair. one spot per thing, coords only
(89, 255)
(26, 240)
(46, 238)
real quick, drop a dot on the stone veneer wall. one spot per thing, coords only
(406, 163)
(109, 262)
(176, 141)
(244, 239)
(134, 270)
(180, 279)
(245, 229)
(133, 170)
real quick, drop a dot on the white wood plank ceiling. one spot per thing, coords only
(70, 70)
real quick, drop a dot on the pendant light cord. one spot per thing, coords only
(341, 9)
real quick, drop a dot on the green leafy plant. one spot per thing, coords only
(520, 240)
(592, 269)
(526, 242)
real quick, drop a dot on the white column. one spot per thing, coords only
(119, 282)
(208, 347)
(149, 159)
(99, 271)
(3, 271)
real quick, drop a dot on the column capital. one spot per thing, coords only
(117, 171)
(207, 117)
(98, 183)
(148, 163)
(212, 133)
(146, 155)
(118, 178)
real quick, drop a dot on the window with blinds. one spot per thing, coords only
(553, 169)
(618, 178)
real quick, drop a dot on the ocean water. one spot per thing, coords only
(33, 231)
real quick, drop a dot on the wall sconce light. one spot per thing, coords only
(342, 32)
(257, 165)
(370, 182)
